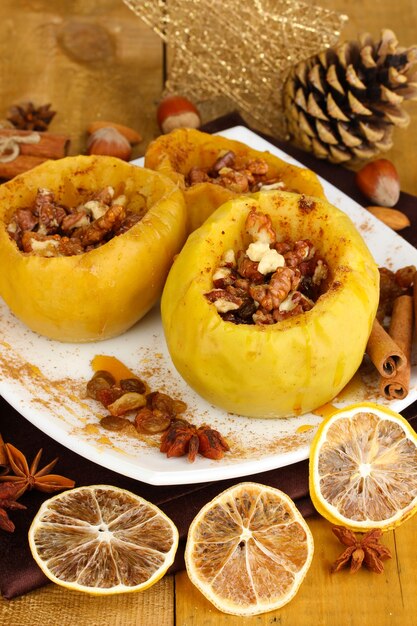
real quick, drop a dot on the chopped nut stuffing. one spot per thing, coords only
(236, 174)
(50, 229)
(270, 281)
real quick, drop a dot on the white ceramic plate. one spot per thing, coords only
(45, 381)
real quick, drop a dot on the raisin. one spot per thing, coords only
(100, 380)
(179, 406)
(151, 422)
(112, 422)
(160, 401)
(127, 402)
(108, 395)
(244, 313)
(133, 384)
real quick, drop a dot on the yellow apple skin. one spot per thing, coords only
(291, 367)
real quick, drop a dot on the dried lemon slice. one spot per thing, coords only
(249, 549)
(363, 468)
(102, 540)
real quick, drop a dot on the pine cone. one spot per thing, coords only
(344, 103)
(26, 116)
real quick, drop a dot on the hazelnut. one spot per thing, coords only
(131, 135)
(177, 112)
(110, 142)
(379, 182)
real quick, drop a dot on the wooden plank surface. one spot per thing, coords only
(124, 84)
(326, 599)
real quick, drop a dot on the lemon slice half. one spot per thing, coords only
(249, 549)
(363, 468)
(102, 540)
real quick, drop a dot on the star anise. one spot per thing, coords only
(368, 550)
(4, 462)
(27, 116)
(26, 477)
(184, 438)
(8, 495)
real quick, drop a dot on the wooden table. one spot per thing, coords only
(126, 88)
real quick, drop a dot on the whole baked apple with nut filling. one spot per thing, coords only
(211, 170)
(273, 359)
(86, 243)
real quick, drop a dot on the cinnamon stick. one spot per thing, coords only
(384, 352)
(49, 146)
(401, 331)
(21, 164)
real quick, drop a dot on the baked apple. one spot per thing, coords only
(313, 286)
(86, 243)
(211, 170)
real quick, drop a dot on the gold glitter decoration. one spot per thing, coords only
(236, 54)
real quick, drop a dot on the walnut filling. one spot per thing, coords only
(236, 174)
(269, 281)
(50, 229)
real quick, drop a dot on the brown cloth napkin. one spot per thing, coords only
(19, 573)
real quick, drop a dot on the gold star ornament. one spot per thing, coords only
(229, 54)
